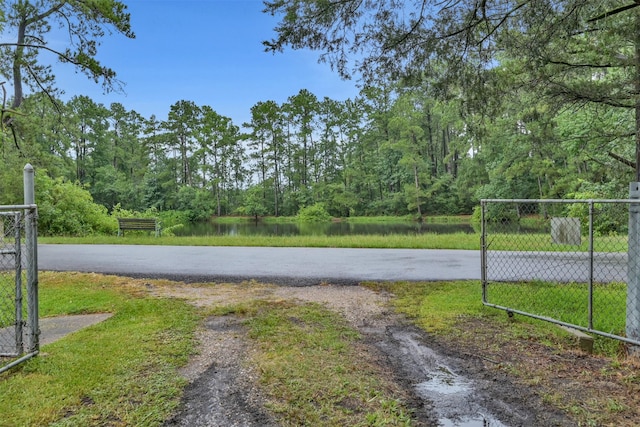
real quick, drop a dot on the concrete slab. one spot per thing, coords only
(55, 328)
(585, 341)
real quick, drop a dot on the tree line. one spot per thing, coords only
(459, 101)
(394, 150)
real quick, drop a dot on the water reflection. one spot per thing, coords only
(318, 229)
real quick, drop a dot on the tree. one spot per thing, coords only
(302, 109)
(331, 121)
(86, 126)
(182, 123)
(40, 129)
(574, 50)
(267, 141)
(29, 23)
(217, 137)
(408, 137)
(253, 203)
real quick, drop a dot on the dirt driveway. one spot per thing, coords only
(450, 382)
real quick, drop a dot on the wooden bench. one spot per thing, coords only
(149, 224)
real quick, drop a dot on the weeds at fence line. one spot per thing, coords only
(567, 303)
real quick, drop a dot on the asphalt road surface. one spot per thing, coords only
(290, 266)
(311, 266)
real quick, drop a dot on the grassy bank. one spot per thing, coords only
(515, 242)
(419, 241)
(439, 219)
(438, 307)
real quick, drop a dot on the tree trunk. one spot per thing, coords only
(417, 183)
(637, 96)
(219, 203)
(17, 66)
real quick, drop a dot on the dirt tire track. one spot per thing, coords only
(223, 391)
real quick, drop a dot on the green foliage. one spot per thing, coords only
(197, 203)
(172, 218)
(112, 187)
(253, 204)
(608, 218)
(169, 220)
(396, 150)
(85, 23)
(314, 213)
(11, 184)
(67, 209)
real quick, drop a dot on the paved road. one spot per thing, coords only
(292, 266)
(308, 266)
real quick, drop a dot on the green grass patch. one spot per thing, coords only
(568, 303)
(495, 242)
(399, 241)
(313, 367)
(315, 372)
(119, 372)
(378, 219)
(543, 242)
(447, 219)
(441, 307)
(437, 306)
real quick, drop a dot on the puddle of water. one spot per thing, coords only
(479, 421)
(452, 396)
(451, 388)
(445, 382)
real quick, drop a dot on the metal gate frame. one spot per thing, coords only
(24, 251)
(505, 267)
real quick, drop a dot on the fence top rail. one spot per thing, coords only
(630, 201)
(16, 207)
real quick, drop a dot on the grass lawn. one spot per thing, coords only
(118, 372)
(123, 371)
(421, 241)
(466, 241)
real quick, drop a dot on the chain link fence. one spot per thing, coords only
(19, 326)
(565, 261)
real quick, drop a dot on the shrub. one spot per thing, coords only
(609, 218)
(68, 209)
(314, 213)
(197, 203)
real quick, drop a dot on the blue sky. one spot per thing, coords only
(205, 51)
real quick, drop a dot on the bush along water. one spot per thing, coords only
(314, 213)
(67, 209)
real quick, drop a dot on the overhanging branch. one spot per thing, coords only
(615, 11)
(55, 52)
(622, 159)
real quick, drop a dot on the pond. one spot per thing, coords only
(323, 229)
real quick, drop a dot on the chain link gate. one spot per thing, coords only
(563, 261)
(19, 325)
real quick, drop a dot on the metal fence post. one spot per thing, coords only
(483, 251)
(17, 219)
(633, 265)
(590, 307)
(33, 338)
